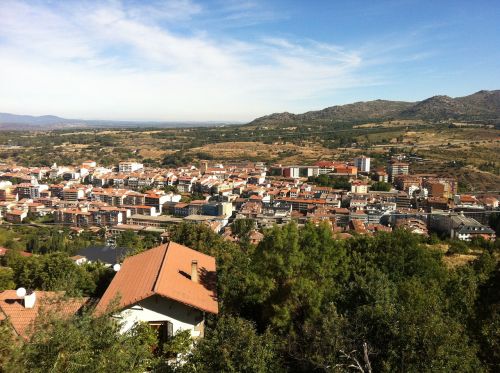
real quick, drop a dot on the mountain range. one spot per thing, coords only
(480, 106)
(46, 122)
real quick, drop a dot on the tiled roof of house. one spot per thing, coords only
(164, 271)
(21, 318)
(4, 251)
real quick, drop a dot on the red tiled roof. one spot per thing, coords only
(21, 318)
(467, 198)
(325, 164)
(164, 271)
(4, 251)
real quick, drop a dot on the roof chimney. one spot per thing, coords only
(30, 299)
(194, 271)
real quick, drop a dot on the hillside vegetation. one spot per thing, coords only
(482, 105)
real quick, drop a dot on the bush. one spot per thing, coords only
(458, 247)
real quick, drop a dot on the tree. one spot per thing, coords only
(327, 343)
(130, 240)
(341, 182)
(86, 343)
(6, 278)
(235, 346)
(294, 272)
(9, 351)
(242, 229)
(457, 247)
(33, 245)
(381, 186)
(51, 272)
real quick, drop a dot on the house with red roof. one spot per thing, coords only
(171, 287)
(22, 312)
(4, 251)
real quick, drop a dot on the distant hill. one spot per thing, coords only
(482, 105)
(46, 122)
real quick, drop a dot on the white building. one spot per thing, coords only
(362, 163)
(459, 226)
(359, 187)
(171, 287)
(130, 166)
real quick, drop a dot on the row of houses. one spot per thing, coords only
(274, 195)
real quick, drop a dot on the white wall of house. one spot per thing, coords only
(156, 308)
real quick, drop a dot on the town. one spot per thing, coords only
(230, 186)
(352, 197)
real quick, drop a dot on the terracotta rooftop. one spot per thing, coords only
(467, 199)
(164, 271)
(4, 251)
(21, 318)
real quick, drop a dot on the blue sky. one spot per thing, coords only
(236, 60)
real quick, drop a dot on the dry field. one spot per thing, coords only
(438, 145)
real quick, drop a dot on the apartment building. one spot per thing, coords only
(127, 167)
(30, 191)
(459, 226)
(363, 164)
(395, 168)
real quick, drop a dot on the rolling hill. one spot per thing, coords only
(49, 122)
(482, 105)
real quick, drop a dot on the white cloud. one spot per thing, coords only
(119, 61)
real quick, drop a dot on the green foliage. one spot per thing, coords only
(51, 272)
(291, 278)
(101, 276)
(130, 240)
(381, 186)
(137, 242)
(324, 343)
(42, 240)
(300, 301)
(458, 247)
(192, 197)
(178, 345)
(325, 300)
(85, 343)
(170, 188)
(335, 182)
(234, 346)
(198, 237)
(6, 278)
(487, 313)
(177, 159)
(242, 229)
(9, 351)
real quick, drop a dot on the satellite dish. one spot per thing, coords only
(116, 267)
(21, 292)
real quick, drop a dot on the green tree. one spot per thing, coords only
(33, 245)
(86, 343)
(295, 271)
(381, 186)
(9, 348)
(51, 272)
(234, 346)
(6, 278)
